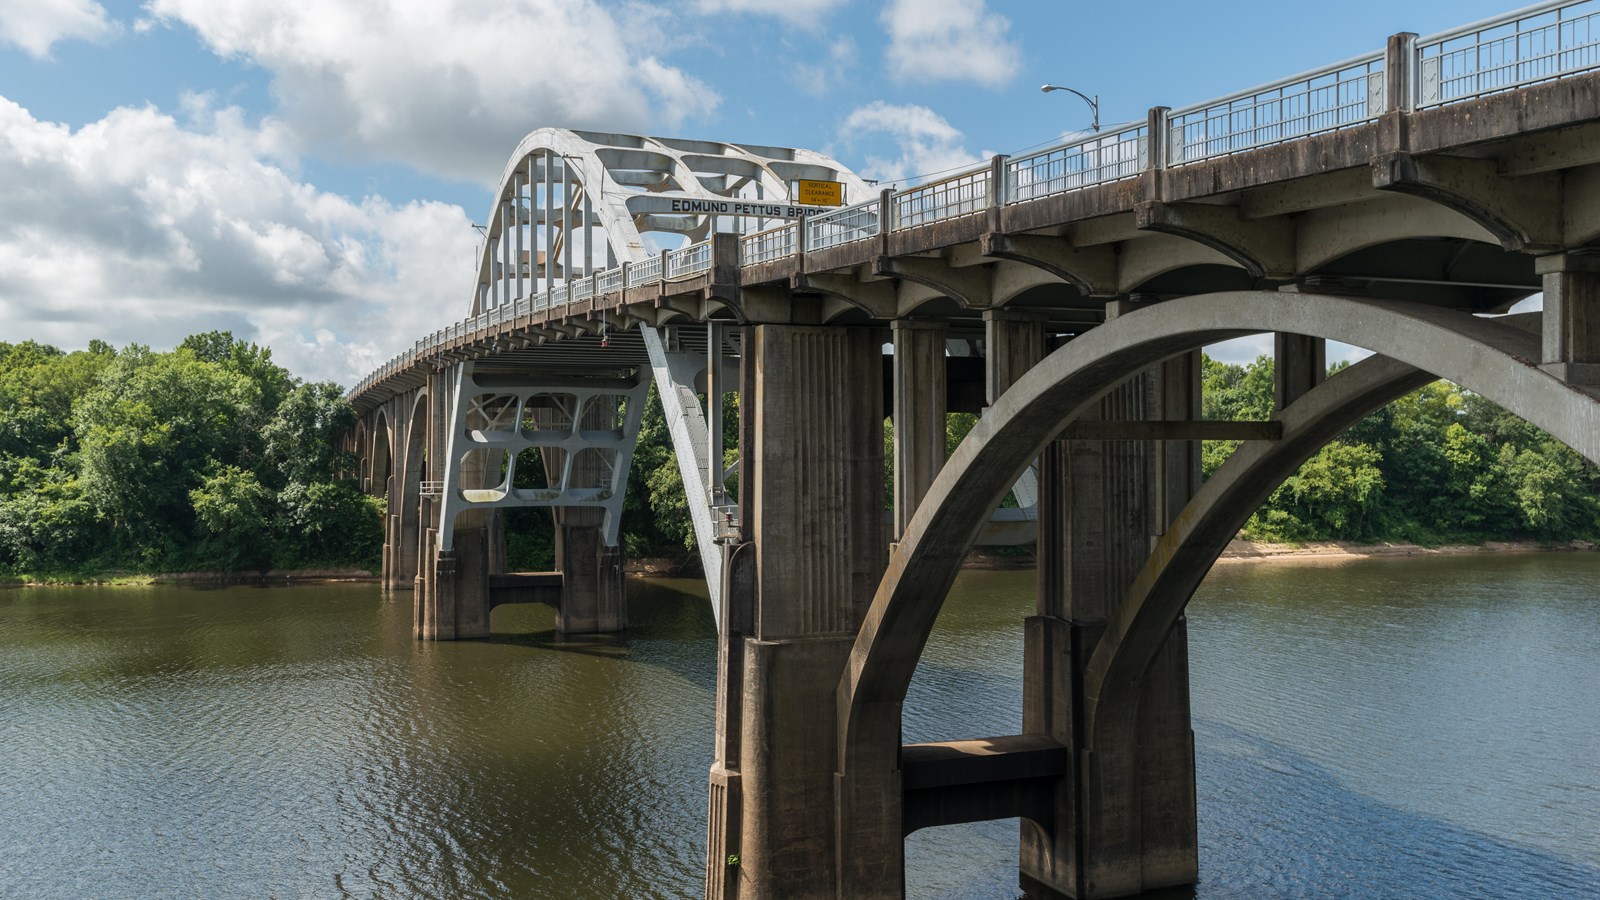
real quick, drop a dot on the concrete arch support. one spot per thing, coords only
(1493, 358)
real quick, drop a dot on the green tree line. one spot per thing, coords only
(206, 457)
(1441, 464)
(213, 457)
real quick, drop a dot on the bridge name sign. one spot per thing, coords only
(707, 206)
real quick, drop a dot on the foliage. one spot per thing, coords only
(1439, 464)
(209, 456)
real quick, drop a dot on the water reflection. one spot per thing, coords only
(1388, 729)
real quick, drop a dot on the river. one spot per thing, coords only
(1388, 728)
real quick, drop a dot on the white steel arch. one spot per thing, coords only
(573, 203)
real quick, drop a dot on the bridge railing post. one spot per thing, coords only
(886, 219)
(1401, 84)
(1162, 143)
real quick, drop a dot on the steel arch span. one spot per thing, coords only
(574, 203)
(1493, 357)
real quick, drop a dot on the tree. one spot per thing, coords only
(232, 511)
(303, 437)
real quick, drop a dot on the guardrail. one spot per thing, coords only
(766, 246)
(1338, 96)
(691, 260)
(1544, 42)
(1080, 164)
(844, 226)
(1540, 43)
(949, 198)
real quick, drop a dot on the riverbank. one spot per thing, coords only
(1336, 551)
(133, 579)
(981, 558)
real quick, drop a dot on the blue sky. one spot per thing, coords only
(305, 172)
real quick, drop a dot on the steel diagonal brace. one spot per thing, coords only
(686, 422)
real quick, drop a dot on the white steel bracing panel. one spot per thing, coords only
(488, 414)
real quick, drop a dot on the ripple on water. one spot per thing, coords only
(1386, 730)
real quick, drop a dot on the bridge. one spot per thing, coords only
(1401, 201)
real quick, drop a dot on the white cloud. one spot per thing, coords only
(138, 229)
(448, 86)
(34, 25)
(817, 78)
(799, 12)
(925, 142)
(948, 40)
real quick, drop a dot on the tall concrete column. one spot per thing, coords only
(1013, 344)
(919, 413)
(1571, 349)
(1125, 811)
(456, 602)
(1299, 363)
(593, 590)
(794, 600)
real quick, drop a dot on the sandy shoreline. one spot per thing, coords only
(1238, 552)
(1336, 551)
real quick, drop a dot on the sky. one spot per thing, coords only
(306, 173)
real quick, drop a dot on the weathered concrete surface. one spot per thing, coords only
(794, 598)
(919, 412)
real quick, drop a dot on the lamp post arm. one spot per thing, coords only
(1094, 102)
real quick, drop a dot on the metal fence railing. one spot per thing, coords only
(844, 226)
(691, 260)
(769, 245)
(1080, 164)
(1328, 99)
(644, 272)
(949, 198)
(1551, 40)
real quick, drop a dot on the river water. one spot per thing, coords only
(1394, 728)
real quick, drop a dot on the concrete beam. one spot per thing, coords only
(1092, 270)
(875, 298)
(971, 287)
(1265, 247)
(1524, 214)
(952, 782)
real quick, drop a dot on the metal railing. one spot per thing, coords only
(844, 226)
(766, 246)
(691, 260)
(1338, 96)
(949, 198)
(644, 272)
(1543, 42)
(1080, 164)
(1540, 43)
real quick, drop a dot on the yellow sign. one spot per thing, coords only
(819, 193)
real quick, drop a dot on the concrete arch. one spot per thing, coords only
(1013, 279)
(413, 472)
(1152, 256)
(1328, 234)
(361, 449)
(1491, 357)
(382, 453)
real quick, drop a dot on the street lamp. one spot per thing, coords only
(1094, 103)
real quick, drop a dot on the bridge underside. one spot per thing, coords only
(1072, 321)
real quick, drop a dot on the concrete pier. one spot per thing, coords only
(794, 600)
